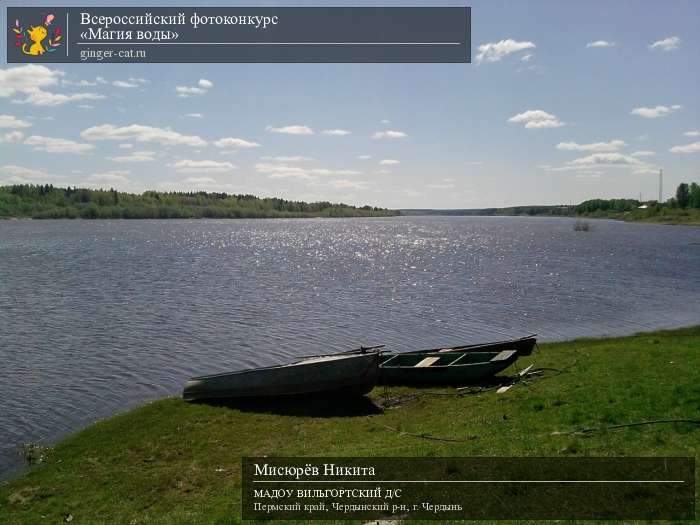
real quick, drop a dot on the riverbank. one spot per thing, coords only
(671, 216)
(171, 462)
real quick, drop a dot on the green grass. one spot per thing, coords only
(176, 463)
(689, 216)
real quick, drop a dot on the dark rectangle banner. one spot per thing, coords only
(468, 488)
(238, 34)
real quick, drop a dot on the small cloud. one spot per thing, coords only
(13, 137)
(600, 43)
(389, 134)
(606, 159)
(202, 87)
(290, 158)
(235, 143)
(445, 186)
(130, 83)
(203, 166)
(20, 174)
(199, 180)
(388, 162)
(10, 121)
(495, 51)
(655, 112)
(613, 145)
(364, 157)
(385, 121)
(536, 119)
(526, 58)
(136, 156)
(296, 129)
(693, 147)
(692, 133)
(476, 162)
(350, 184)
(140, 133)
(643, 153)
(56, 145)
(86, 106)
(667, 44)
(193, 115)
(114, 176)
(126, 146)
(336, 132)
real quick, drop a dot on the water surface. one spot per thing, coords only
(100, 316)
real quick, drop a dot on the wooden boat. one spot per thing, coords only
(524, 346)
(452, 368)
(344, 375)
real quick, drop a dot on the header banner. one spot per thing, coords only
(238, 34)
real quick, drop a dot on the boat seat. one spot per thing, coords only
(426, 362)
(502, 356)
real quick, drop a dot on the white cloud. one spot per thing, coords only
(495, 51)
(113, 176)
(202, 87)
(655, 112)
(126, 146)
(10, 121)
(350, 184)
(643, 153)
(445, 186)
(600, 43)
(296, 129)
(130, 83)
(31, 80)
(203, 166)
(283, 171)
(56, 145)
(200, 180)
(606, 159)
(693, 147)
(692, 133)
(22, 175)
(389, 162)
(140, 133)
(336, 132)
(193, 115)
(291, 158)
(86, 106)
(364, 157)
(389, 134)
(526, 58)
(385, 121)
(13, 137)
(613, 145)
(667, 44)
(136, 156)
(235, 143)
(536, 119)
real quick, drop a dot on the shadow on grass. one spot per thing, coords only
(327, 406)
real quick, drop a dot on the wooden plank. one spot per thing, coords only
(426, 362)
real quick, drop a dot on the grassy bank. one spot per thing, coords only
(170, 462)
(689, 216)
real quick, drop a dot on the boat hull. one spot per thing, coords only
(353, 375)
(444, 369)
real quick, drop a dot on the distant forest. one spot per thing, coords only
(49, 202)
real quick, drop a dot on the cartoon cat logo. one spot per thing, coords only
(31, 40)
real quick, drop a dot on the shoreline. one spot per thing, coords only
(153, 462)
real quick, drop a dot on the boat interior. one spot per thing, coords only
(433, 360)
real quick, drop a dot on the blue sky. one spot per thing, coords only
(545, 116)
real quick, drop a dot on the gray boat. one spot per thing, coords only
(338, 375)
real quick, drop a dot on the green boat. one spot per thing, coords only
(333, 375)
(452, 368)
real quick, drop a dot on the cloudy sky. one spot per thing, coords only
(562, 103)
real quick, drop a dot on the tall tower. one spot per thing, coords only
(661, 185)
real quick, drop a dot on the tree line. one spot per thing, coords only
(687, 197)
(50, 202)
